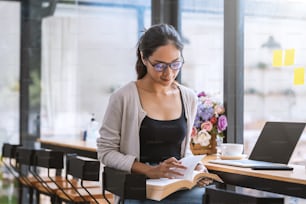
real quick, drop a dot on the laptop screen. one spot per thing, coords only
(277, 142)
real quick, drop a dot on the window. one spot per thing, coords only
(202, 30)
(270, 93)
(9, 68)
(88, 51)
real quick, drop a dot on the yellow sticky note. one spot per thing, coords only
(289, 57)
(299, 76)
(277, 58)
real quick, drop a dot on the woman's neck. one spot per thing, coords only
(154, 88)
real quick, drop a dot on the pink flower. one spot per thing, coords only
(208, 102)
(207, 125)
(219, 109)
(222, 123)
(210, 120)
(194, 132)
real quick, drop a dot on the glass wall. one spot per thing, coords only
(88, 51)
(9, 69)
(275, 46)
(202, 30)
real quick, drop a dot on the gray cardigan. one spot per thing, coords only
(118, 144)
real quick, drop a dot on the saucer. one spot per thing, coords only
(225, 157)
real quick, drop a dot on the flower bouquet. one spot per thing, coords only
(210, 123)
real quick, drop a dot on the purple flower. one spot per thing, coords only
(201, 94)
(222, 123)
(208, 112)
(197, 122)
(205, 113)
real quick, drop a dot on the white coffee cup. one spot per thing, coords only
(231, 149)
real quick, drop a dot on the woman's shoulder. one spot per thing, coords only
(187, 92)
(126, 91)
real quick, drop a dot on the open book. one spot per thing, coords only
(158, 189)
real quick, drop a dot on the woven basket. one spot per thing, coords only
(197, 149)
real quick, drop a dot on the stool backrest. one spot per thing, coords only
(49, 159)
(84, 169)
(69, 156)
(124, 184)
(9, 158)
(9, 150)
(25, 156)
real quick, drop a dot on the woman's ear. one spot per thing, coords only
(143, 59)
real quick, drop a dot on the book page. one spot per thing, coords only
(198, 175)
(190, 162)
(161, 182)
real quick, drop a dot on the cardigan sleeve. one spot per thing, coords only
(108, 144)
(190, 103)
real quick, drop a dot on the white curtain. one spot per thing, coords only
(9, 71)
(59, 67)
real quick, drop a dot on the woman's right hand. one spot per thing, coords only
(165, 169)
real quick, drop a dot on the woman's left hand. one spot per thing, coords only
(204, 181)
(201, 167)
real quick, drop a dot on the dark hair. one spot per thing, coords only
(156, 36)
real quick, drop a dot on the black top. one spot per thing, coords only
(160, 140)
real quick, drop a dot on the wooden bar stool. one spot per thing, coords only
(24, 161)
(124, 184)
(34, 177)
(53, 161)
(84, 169)
(20, 163)
(8, 158)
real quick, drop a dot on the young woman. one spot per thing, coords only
(148, 122)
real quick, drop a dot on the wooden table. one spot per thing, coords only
(70, 145)
(292, 183)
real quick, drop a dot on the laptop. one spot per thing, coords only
(273, 148)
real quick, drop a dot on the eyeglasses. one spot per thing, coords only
(161, 66)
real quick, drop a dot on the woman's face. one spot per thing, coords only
(167, 54)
